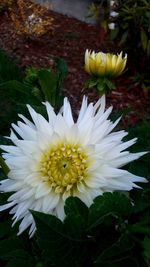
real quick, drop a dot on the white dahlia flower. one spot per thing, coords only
(58, 158)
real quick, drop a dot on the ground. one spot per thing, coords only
(68, 39)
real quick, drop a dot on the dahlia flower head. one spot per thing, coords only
(104, 64)
(53, 159)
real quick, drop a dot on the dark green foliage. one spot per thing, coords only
(39, 85)
(45, 84)
(8, 69)
(103, 85)
(142, 132)
(14, 249)
(102, 235)
(106, 234)
(32, 86)
(133, 25)
(118, 207)
(76, 218)
(132, 35)
(58, 247)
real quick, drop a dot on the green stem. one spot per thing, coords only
(4, 166)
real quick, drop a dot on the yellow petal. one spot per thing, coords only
(101, 64)
(92, 65)
(87, 54)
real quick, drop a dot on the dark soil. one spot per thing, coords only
(69, 39)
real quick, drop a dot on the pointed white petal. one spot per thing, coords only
(82, 109)
(26, 222)
(7, 206)
(67, 113)
(60, 210)
(51, 113)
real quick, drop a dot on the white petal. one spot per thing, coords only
(81, 187)
(67, 113)
(60, 126)
(86, 131)
(73, 135)
(101, 117)
(82, 110)
(10, 185)
(13, 150)
(26, 222)
(99, 107)
(13, 136)
(123, 160)
(86, 197)
(27, 122)
(25, 131)
(7, 206)
(27, 147)
(41, 191)
(60, 210)
(100, 132)
(32, 229)
(97, 181)
(88, 114)
(52, 201)
(17, 162)
(51, 113)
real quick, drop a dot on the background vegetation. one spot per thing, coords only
(115, 230)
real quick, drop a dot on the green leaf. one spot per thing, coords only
(109, 204)
(113, 34)
(92, 82)
(4, 228)
(35, 91)
(8, 69)
(18, 253)
(146, 246)
(48, 83)
(15, 85)
(101, 87)
(148, 48)
(104, 85)
(20, 263)
(51, 237)
(50, 221)
(142, 226)
(76, 218)
(40, 264)
(109, 84)
(61, 68)
(144, 39)
(56, 245)
(116, 250)
(121, 113)
(31, 75)
(124, 38)
(9, 248)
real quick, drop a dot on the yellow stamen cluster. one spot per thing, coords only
(63, 167)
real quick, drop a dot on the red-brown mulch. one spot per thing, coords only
(69, 39)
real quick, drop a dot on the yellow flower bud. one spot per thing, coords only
(104, 64)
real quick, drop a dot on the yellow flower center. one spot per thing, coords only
(64, 166)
